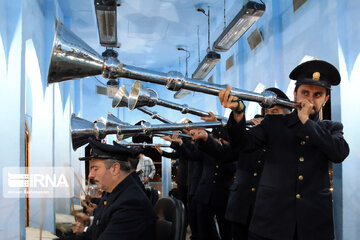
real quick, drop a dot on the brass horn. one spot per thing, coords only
(72, 58)
(141, 96)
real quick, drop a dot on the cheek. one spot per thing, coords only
(299, 97)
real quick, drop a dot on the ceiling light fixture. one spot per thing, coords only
(186, 59)
(183, 92)
(248, 15)
(106, 20)
(211, 58)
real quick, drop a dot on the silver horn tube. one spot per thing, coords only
(113, 122)
(141, 96)
(154, 115)
(175, 81)
(72, 58)
(147, 128)
(143, 144)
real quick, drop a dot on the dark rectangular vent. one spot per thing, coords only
(297, 4)
(101, 90)
(254, 39)
(229, 62)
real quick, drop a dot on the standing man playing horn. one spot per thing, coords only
(249, 166)
(294, 198)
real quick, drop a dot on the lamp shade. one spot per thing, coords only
(248, 15)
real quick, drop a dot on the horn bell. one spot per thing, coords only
(112, 121)
(71, 57)
(141, 96)
(80, 131)
(121, 98)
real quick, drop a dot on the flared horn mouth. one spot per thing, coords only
(80, 131)
(121, 98)
(72, 58)
(141, 96)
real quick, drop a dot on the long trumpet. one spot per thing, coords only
(72, 58)
(82, 129)
(154, 115)
(121, 99)
(113, 121)
(140, 96)
(143, 145)
(147, 128)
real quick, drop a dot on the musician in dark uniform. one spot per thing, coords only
(124, 212)
(179, 145)
(212, 194)
(187, 150)
(248, 171)
(294, 198)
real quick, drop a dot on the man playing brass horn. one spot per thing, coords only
(293, 197)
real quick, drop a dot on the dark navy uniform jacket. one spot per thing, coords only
(215, 181)
(137, 180)
(182, 172)
(294, 189)
(126, 213)
(195, 169)
(248, 171)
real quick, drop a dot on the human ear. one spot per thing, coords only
(115, 168)
(326, 99)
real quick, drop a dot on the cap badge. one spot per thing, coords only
(316, 76)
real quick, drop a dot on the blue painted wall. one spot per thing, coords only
(321, 28)
(12, 222)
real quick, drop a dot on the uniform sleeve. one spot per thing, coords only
(328, 137)
(187, 148)
(171, 155)
(220, 152)
(245, 140)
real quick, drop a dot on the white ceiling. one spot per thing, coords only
(150, 30)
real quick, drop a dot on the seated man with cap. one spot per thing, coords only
(293, 198)
(124, 212)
